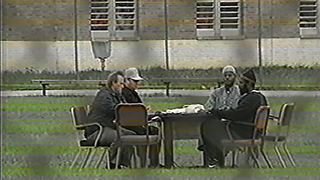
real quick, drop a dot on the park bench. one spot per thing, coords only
(166, 81)
(169, 81)
(46, 82)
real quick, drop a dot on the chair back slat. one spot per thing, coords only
(131, 114)
(79, 116)
(261, 120)
(285, 115)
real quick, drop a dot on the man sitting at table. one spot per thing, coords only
(132, 79)
(227, 96)
(213, 131)
(103, 112)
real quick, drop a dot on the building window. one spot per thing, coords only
(205, 18)
(218, 18)
(99, 20)
(309, 21)
(125, 18)
(113, 19)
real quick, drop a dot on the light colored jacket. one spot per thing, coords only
(221, 99)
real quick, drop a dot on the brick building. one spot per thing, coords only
(201, 33)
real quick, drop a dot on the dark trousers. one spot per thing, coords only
(154, 149)
(109, 136)
(213, 131)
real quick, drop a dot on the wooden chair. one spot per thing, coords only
(282, 132)
(134, 114)
(253, 144)
(79, 117)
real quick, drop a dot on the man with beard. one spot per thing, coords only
(103, 112)
(132, 79)
(227, 96)
(213, 131)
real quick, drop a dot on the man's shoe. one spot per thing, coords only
(113, 166)
(213, 163)
(212, 166)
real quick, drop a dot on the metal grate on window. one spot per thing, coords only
(125, 15)
(229, 14)
(205, 15)
(99, 15)
(308, 14)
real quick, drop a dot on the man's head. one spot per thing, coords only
(132, 78)
(115, 81)
(229, 75)
(247, 81)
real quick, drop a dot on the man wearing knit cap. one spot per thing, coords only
(227, 96)
(213, 131)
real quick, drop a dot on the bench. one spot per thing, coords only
(46, 82)
(166, 81)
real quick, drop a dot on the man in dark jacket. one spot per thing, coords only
(214, 131)
(130, 94)
(103, 112)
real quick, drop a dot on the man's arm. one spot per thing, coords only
(246, 107)
(211, 102)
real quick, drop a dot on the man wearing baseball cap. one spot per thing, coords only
(132, 79)
(213, 131)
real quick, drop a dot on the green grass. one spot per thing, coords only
(38, 126)
(190, 149)
(195, 172)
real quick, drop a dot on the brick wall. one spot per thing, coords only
(53, 20)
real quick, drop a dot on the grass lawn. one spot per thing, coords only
(39, 141)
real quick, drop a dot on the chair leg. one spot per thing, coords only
(118, 157)
(288, 154)
(86, 158)
(223, 157)
(265, 157)
(253, 155)
(101, 158)
(90, 157)
(147, 156)
(234, 153)
(137, 160)
(108, 158)
(247, 162)
(133, 158)
(279, 156)
(76, 158)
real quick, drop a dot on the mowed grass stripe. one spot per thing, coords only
(177, 145)
(45, 100)
(190, 172)
(38, 128)
(68, 128)
(37, 108)
(39, 121)
(55, 149)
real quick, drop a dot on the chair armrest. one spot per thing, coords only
(244, 123)
(274, 118)
(88, 125)
(158, 120)
(228, 129)
(154, 119)
(99, 133)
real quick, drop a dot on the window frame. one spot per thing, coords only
(112, 33)
(218, 32)
(305, 32)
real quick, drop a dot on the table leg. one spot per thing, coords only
(168, 145)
